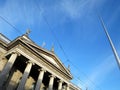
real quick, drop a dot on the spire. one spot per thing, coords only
(111, 43)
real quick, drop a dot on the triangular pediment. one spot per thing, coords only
(49, 56)
(50, 59)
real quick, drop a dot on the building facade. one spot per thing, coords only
(27, 66)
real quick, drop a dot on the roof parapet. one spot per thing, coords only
(4, 39)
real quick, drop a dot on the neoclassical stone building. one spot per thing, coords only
(27, 66)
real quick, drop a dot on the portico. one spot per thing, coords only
(23, 74)
(30, 67)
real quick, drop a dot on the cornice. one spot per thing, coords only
(36, 53)
(3, 45)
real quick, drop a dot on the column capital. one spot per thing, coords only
(15, 52)
(67, 84)
(30, 62)
(60, 81)
(41, 69)
(52, 76)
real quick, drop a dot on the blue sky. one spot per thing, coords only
(79, 31)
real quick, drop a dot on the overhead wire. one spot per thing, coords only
(85, 84)
(18, 31)
(85, 75)
(55, 37)
(66, 56)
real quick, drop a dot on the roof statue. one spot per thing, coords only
(27, 32)
(43, 44)
(86, 88)
(68, 68)
(52, 49)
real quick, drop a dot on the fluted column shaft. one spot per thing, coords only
(51, 82)
(25, 76)
(40, 79)
(60, 84)
(5, 72)
(68, 87)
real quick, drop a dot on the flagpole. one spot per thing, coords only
(111, 43)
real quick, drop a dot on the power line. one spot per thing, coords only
(18, 31)
(59, 42)
(83, 84)
(85, 75)
(89, 80)
(55, 37)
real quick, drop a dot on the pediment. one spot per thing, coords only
(49, 56)
(50, 59)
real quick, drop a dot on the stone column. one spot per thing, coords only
(51, 82)
(5, 72)
(67, 86)
(60, 84)
(40, 78)
(25, 76)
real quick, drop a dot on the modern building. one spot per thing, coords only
(27, 66)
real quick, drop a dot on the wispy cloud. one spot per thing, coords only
(27, 12)
(22, 14)
(73, 8)
(77, 8)
(114, 16)
(20, 11)
(100, 72)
